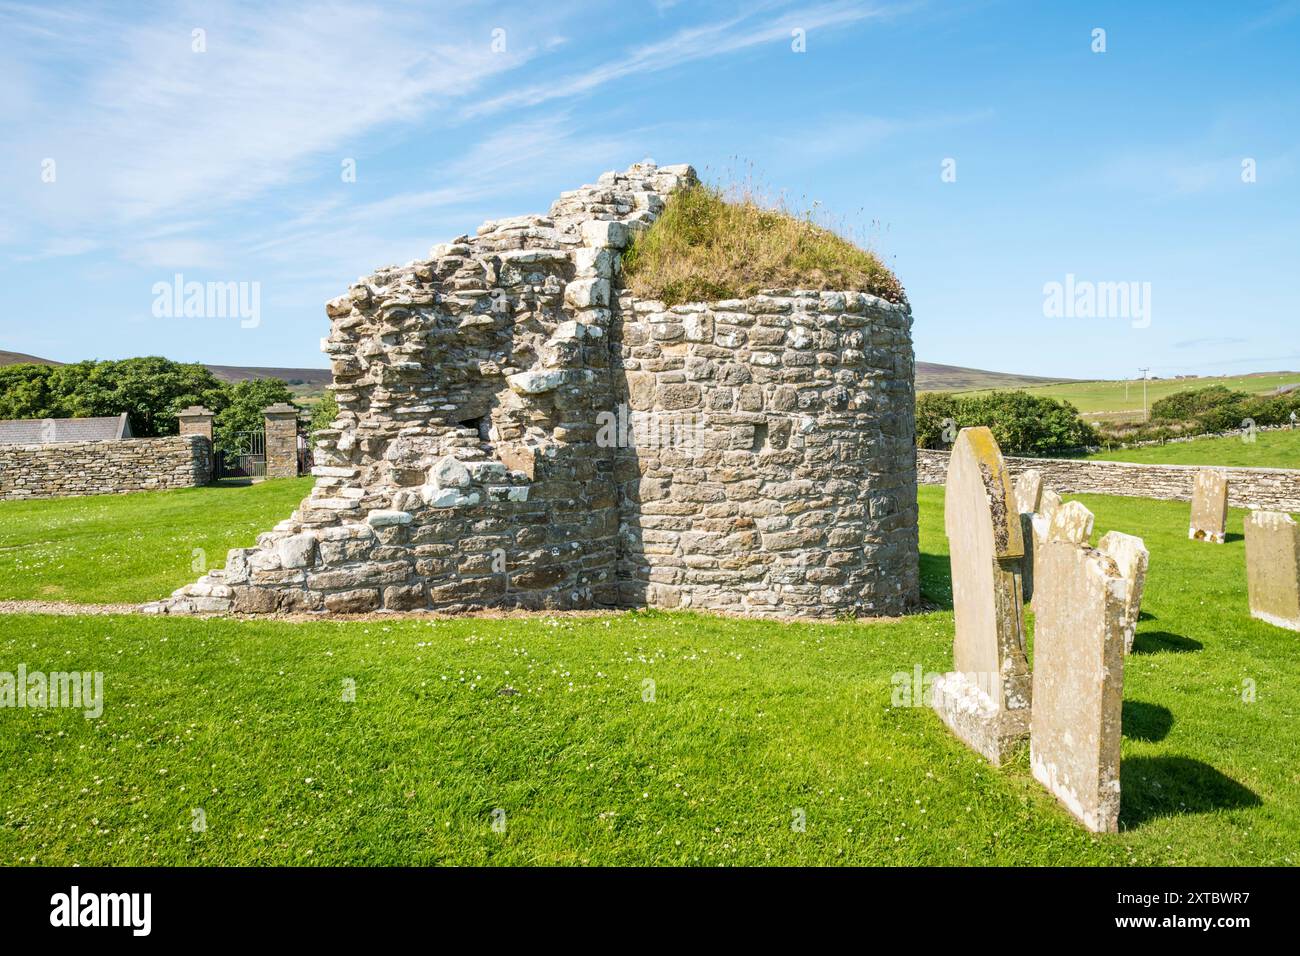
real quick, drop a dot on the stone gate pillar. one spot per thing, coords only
(197, 420)
(281, 440)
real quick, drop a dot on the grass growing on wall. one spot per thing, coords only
(547, 719)
(704, 247)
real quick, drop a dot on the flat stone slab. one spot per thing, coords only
(1075, 730)
(1273, 568)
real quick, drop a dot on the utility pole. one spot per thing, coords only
(1144, 372)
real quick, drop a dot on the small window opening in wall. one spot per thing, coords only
(481, 424)
(760, 437)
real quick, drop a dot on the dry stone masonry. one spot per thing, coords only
(1273, 568)
(985, 698)
(516, 429)
(1269, 489)
(69, 469)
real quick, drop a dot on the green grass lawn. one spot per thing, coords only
(545, 718)
(1119, 400)
(132, 548)
(1274, 449)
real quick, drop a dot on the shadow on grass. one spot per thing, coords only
(1163, 642)
(1231, 536)
(1153, 787)
(936, 580)
(1143, 721)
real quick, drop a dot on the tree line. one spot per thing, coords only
(151, 390)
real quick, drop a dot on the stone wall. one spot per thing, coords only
(66, 469)
(1272, 489)
(795, 491)
(517, 430)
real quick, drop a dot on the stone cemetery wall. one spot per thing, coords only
(517, 430)
(67, 469)
(1273, 489)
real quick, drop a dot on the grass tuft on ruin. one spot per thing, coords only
(706, 246)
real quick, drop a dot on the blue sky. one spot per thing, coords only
(226, 165)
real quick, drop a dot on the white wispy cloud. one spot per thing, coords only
(762, 23)
(338, 236)
(144, 130)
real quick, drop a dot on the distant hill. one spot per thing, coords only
(227, 373)
(238, 373)
(952, 378)
(929, 376)
(21, 358)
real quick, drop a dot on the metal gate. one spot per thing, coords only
(244, 457)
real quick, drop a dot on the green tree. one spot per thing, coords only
(934, 410)
(243, 410)
(150, 390)
(1023, 424)
(25, 392)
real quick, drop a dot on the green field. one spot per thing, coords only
(1122, 401)
(545, 718)
(1273, 449)
(132, 548)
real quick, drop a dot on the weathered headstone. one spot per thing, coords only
(1273, 568)
(1078, 685)
(985, 698)
(1048, 504)
(1029, 490)
(1027, 562)
(1034, 528)
(1070, 522)
(1131, 557)
(1209, 506)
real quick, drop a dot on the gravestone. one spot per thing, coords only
(1209, 506)
(1131, 557)
(1029, 490)
(1078, 685)
(1034, 532)
(1273, 568)
(1049, 502)
(985, 698)
(1070, 522)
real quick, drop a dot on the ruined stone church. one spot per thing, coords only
(518, 430)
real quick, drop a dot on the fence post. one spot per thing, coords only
(197, 420)
(281, 440)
